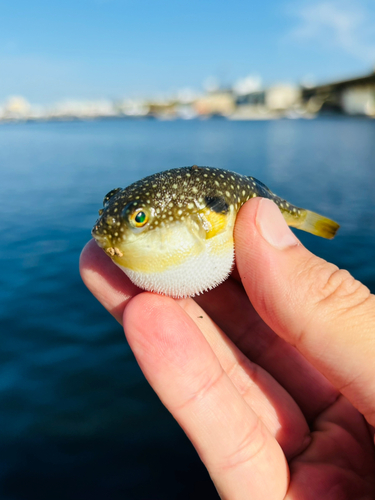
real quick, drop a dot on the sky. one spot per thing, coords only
(112, 49)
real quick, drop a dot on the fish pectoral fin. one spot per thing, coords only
(199, 226)
(214, 223)
(313, 223)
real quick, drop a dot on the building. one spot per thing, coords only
(15, 108)
(218, 103)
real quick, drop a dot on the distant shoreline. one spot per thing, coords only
(178, 119)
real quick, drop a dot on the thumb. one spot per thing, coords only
(310, 303)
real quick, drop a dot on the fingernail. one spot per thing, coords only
(272, 226)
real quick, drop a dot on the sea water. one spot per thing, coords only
(77, 418)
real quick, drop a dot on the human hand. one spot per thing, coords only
(269, 420)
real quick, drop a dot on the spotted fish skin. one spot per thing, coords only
(172, 232)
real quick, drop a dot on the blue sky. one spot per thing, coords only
(92, 49)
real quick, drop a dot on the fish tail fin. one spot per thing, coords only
(303, 219)
(313, 223)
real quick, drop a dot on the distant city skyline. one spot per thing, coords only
(112, 49)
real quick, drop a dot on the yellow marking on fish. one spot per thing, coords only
(218, 222)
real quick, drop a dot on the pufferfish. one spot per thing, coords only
(172, 232)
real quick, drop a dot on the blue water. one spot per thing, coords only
(77, 419)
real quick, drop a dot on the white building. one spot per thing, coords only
(282, 97)
(359, 100)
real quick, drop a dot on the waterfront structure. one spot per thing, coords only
(15, 108)
(355, 96)
(82, 110)
(247, 100)
(282, 97)
(271, 103)
(218, 103)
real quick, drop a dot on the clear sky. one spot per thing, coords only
(91, 49)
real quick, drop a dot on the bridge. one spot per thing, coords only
(353, 96)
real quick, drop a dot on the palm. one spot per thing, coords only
(339, 462)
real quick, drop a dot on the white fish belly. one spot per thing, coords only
(195, 275)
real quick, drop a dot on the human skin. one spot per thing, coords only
(271, 375)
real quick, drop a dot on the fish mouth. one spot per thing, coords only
(105, 243)
(100, 239)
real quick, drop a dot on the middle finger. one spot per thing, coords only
(273, 405)
(229, 306)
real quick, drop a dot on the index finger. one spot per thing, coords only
(105, 280)
(242, 457)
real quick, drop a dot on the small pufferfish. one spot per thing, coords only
(172, 232)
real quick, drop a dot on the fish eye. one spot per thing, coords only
(139, 218)
(136, 214)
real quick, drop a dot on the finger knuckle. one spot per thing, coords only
(329, 285)
(251, 446)
(342, 290)
(201, 385)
